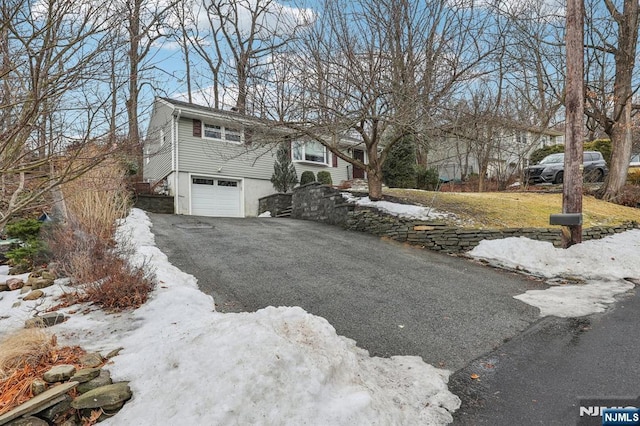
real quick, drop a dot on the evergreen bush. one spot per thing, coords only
(399, 169)
(284, 175)
(537, 155)
(31, 250)
(324, 177)
(427, 179)
(307, 177)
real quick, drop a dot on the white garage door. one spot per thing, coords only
(215, 197)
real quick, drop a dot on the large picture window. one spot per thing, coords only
(311, 151)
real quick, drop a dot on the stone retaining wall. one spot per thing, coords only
(324, 204)
(155, 203)
(320, 203)
(274, 203)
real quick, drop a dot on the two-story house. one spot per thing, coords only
(219, 163)
(504, 152)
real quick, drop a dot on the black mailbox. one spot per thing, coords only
(566, 219)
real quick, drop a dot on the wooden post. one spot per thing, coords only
(574, 107)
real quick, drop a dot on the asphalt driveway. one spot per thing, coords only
(391, 299)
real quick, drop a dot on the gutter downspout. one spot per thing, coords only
(174, 137)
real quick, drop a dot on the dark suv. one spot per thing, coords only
(551, 168)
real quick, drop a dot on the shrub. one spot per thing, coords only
(427, 179)
(601, 145)
(284, 175)
(324, 177)
(307, 177)
(32, 250)
(537, 155)
(399, 169)
(23, 229)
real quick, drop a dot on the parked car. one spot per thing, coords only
(551, 168)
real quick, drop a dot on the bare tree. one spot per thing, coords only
(51, 59)
(376, 72)
(611, 83)
(145, 24)
(237, 41)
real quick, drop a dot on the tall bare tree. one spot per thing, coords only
(51, 59)
(376, 71)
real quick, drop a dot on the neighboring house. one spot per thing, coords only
(219, 163)
(506, 152)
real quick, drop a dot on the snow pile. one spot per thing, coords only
(188, 364)
(603, 264)
(265, 214)
(401, 210)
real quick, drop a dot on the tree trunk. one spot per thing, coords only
(374, 173)
(621, 139)
(621, 144)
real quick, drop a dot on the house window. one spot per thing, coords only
(311, 151)
(228, 134)
(213, 132)
(232, 135)
(163, 137)
(521, 138)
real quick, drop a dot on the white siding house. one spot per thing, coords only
(219, 163)
(506, 152)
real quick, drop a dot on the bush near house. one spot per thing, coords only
(307, 177)
(324, 177)
(399, 169)
(284, 175)
(426, 179)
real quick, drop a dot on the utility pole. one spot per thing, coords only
(574, 107)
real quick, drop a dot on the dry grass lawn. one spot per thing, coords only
(514, 209)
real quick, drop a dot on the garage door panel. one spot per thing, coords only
(215, 197)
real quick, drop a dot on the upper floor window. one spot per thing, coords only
(310, 151)
(229, 134)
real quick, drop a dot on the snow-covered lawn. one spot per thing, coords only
(188, 364)
(408, 211)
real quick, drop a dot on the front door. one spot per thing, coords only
(358, 173)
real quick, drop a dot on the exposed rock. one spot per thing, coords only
(92, 359)
(85, 374)
(18, 269)
(38, 403)
(14, 283)
(25, 289)
(4, 287)
(35, 294)
(28, 421)
(113, 407)
(48, 275)
(61, 407)
(38, 386)
(113, 353)
(46, 320)
(38, 283)
(59, 373)
(105, 395)
(15, 305)
(103, 379)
